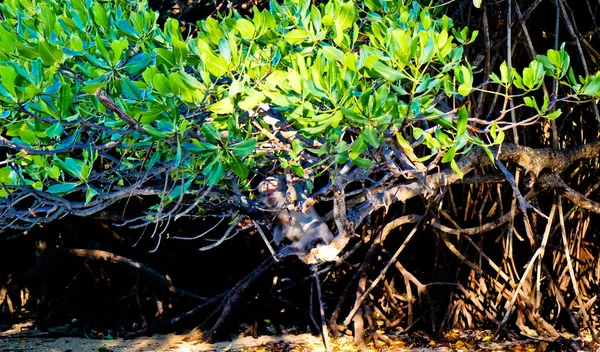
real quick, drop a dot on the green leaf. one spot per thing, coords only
(427, 50)
(126, 27)
(154, 132)
(100, 16)
(216, 65)
(222, 107)
(61, 188)
(91, 88)
(371, 136)
(117, 47)
(49, 53)
(238, 167)
(296, 36)
(443, 138)
(251, 101)
(245, 28)
(165, 56)
(387, 72)
(215, 172)
(244, 148)
(178, 189)
(362, 162)
(464, 89)
(161, 83)
(89, 194)
(358, 147)
(55, 130)
(8, 76)
(497, 137)
(449, 156)
(504, 72)
(332, 53)
(477, 3)
(210, 132)
(345, 13)
(198, 147)
(461, 123)
(74, 167)
(456, 169)
(101, 48)
(5, 176)
(487, 151)
(28, 136)
(342, 157)
(593, 87)
(554, 115)
(137, 63)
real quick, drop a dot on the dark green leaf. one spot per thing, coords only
(244, 148)
(371, 136)
(61, 188)
(238, 167)
(358, 147)
(137, 63)
(211, 133)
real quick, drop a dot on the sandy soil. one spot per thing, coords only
(18, 339)
(289, 343)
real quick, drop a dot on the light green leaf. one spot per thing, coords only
(222, 107)
(251, 101)
(464, 89)
(161, 83)
(593, 87)
(296, 36)
(89, 194)
(93, 87)
(49, 53)
(345, 13)
(387, 72)
(28, 136)
(166, 56)
(461, 123)
(117, 47)
(554, 115)
(216, 65)
(100, 16)
(8, 76)
(457, 169)
(245, 28)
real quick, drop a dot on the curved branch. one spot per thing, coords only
(552, 181)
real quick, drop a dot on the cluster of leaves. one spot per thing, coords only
(346, 76)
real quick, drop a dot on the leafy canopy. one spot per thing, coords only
(95, 96)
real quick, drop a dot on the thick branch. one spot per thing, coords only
(534, 160)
